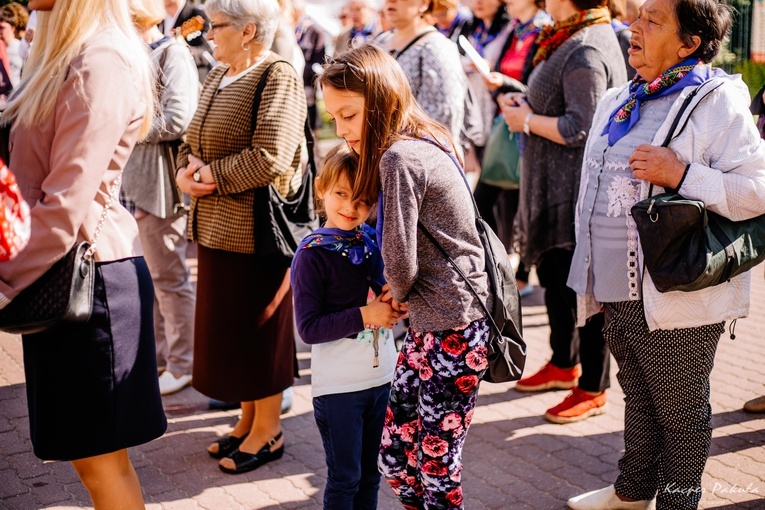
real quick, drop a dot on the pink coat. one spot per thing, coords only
(66, 165)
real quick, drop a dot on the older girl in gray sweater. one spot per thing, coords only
(406, 166)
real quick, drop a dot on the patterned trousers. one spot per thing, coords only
(430, 408)
(667, 416)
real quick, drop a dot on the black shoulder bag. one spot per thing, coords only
(687, 247)
(281, 223)
(507, 350)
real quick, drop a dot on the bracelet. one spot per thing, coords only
(527, 125)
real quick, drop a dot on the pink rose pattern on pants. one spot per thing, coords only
(430, 408)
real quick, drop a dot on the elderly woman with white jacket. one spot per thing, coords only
(664, 343)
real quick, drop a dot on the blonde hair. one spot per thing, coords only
(60, 37)
(147, 14)
(339, 161)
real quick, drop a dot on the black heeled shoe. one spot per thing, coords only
(226, 446)
(245, 462)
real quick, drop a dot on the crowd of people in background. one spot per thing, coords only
(149, 124)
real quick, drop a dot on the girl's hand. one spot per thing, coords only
(379, 313)
(657, 165)
(494, 81)
(186, 183)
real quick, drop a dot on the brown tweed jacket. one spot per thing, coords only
(221, 135)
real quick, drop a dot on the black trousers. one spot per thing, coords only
(572, 345)
(498, 208)
(667, 416)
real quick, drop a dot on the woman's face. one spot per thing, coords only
(486, 9)
(403, 13)
(41, 5)
(655, 45)
(227, 38)
(347, 111)
(444, 17)
(520, 8)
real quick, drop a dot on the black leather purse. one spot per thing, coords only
(64, 294)
(281, 223)
(687, 247)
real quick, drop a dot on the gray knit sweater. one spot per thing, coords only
(568, 86)
(421, 183)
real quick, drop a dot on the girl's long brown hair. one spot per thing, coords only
(392, 113)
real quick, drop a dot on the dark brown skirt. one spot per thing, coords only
(244, 342)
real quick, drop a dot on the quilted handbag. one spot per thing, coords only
(281, 223)
(687, 247)
(64, 293)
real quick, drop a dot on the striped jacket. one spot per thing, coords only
(221, 135)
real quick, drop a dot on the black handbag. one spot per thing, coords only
(507, 350)
(64, 293)
(687, 247)
(281, 223)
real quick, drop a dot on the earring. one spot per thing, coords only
(245, 48)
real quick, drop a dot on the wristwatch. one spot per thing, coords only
(196, 176)
(526, 124)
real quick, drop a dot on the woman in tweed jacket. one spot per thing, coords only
(244, 347)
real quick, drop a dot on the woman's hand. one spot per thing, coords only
(514, 110)
(657, 165)
(185, 178)
(494, 81)
(379, 313)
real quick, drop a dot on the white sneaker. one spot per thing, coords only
(606, 499)
(169, 384)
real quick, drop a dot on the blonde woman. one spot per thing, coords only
(86, 98)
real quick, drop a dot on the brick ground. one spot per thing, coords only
(513, 458)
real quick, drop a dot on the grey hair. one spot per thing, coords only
(263, 13)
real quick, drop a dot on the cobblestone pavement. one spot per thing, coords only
(513, 458)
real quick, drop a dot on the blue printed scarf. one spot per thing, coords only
(689, 72)
(358, 245)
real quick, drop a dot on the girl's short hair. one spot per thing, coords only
(391, 112)
(339, 161)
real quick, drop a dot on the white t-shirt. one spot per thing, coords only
(346, 365)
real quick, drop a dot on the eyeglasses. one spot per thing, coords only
(214, 27)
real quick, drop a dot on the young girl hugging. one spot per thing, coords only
(407, 163)
(337, 281)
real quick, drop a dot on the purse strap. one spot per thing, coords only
(309, 139)
(113, 190)
(671, 135)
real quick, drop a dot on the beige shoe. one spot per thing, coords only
(756, 405)
(606, 499)
(169, 384)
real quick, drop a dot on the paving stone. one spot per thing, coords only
(514, 459)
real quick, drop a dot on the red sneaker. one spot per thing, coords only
(550, 377)
(578, 406)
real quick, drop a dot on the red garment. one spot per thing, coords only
(14, 216)
(514, 58)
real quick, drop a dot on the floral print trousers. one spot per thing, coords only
(430, 408)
